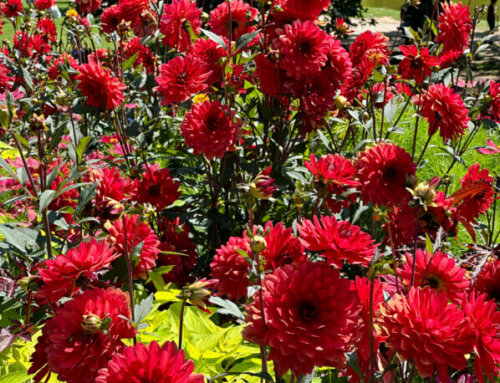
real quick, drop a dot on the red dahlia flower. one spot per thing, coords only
(475, 195)
(303, 48)
(99, 88)
(111, 190)
(208, 54)
(488, 280)
(135, 232)
(88, 6)
(309, 313)
(83, 336)
(145, 57)
(209, 131)
(425, 328)
(337, 241)
(235, 24)
(485, 320)
(47, 28)
(283, 248)
(361, 286)
(62, 277)
(494, 92)
(231, 269)
(416, 64)
(439, 272)
(110, 19)
(64, 59)
(178, 250)
(455, 26)
(149, 364)
(12, 8)
(407, 221)
(444, 110)
(271, 77)
(339, 66)
(262, 186)
(303, 9)
(179, 79)
(370, 47)
(156, 187)
(383, 170)
(44, 4)
(176, 21)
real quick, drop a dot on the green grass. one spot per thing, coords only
(382, 12)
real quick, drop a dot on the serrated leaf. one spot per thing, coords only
(82, 146)
(129, 62)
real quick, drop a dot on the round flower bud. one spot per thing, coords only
(91, 324)
(341, 102)
(258, 244)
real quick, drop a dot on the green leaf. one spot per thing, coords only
(129, 62)
(227, 307)
(212, 36)
(307, 378)
(7, 167)
(143, 309)
(352, 361)
(15, 377)
(85, 197)
(428, 245)
(82, 146)
(45, 199)
(4, 119)
(246, 38)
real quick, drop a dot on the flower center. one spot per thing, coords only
(212, 124)
(182, 78)
(433, 282)
(308, 311)
(154, 189)
(304, 47)
(390, 173)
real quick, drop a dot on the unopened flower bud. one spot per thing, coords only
(262, 187)
(204, 17)
(258, 244)
(341, 102)
(91, 324)
(299, 198)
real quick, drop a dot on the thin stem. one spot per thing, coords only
(372, 347)
(181, 323)
(128, 260)
(425, 148)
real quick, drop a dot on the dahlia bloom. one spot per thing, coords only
(134, 232)
(494, 109)
(44, 4)
(407, 221)
(88, 6)
(231, 269)
(179, 79)
(145, 57)
(111, 18)
(178, 250)
(209, 131)
(156, 187)
(417, 64)
(62, 277)
(383, 170)
(303, 48)
(111, 190)
(310, 313)
(82, 336)
(488, 280)
(271, 77)
(476, 193)
(64, 59)
(304, 9)
(337, 241)
(338, 66)
(439, 272)
(208, 54)
(333, 175)
(235, 25)
(361, 286)
(262, 186)
(455, 26)
(425, 328)
(370, 47)
(176, 20)
(283, 248)
(99, 88)
(444, 110)
(485, 320)
(11, 8)
(149, 363)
